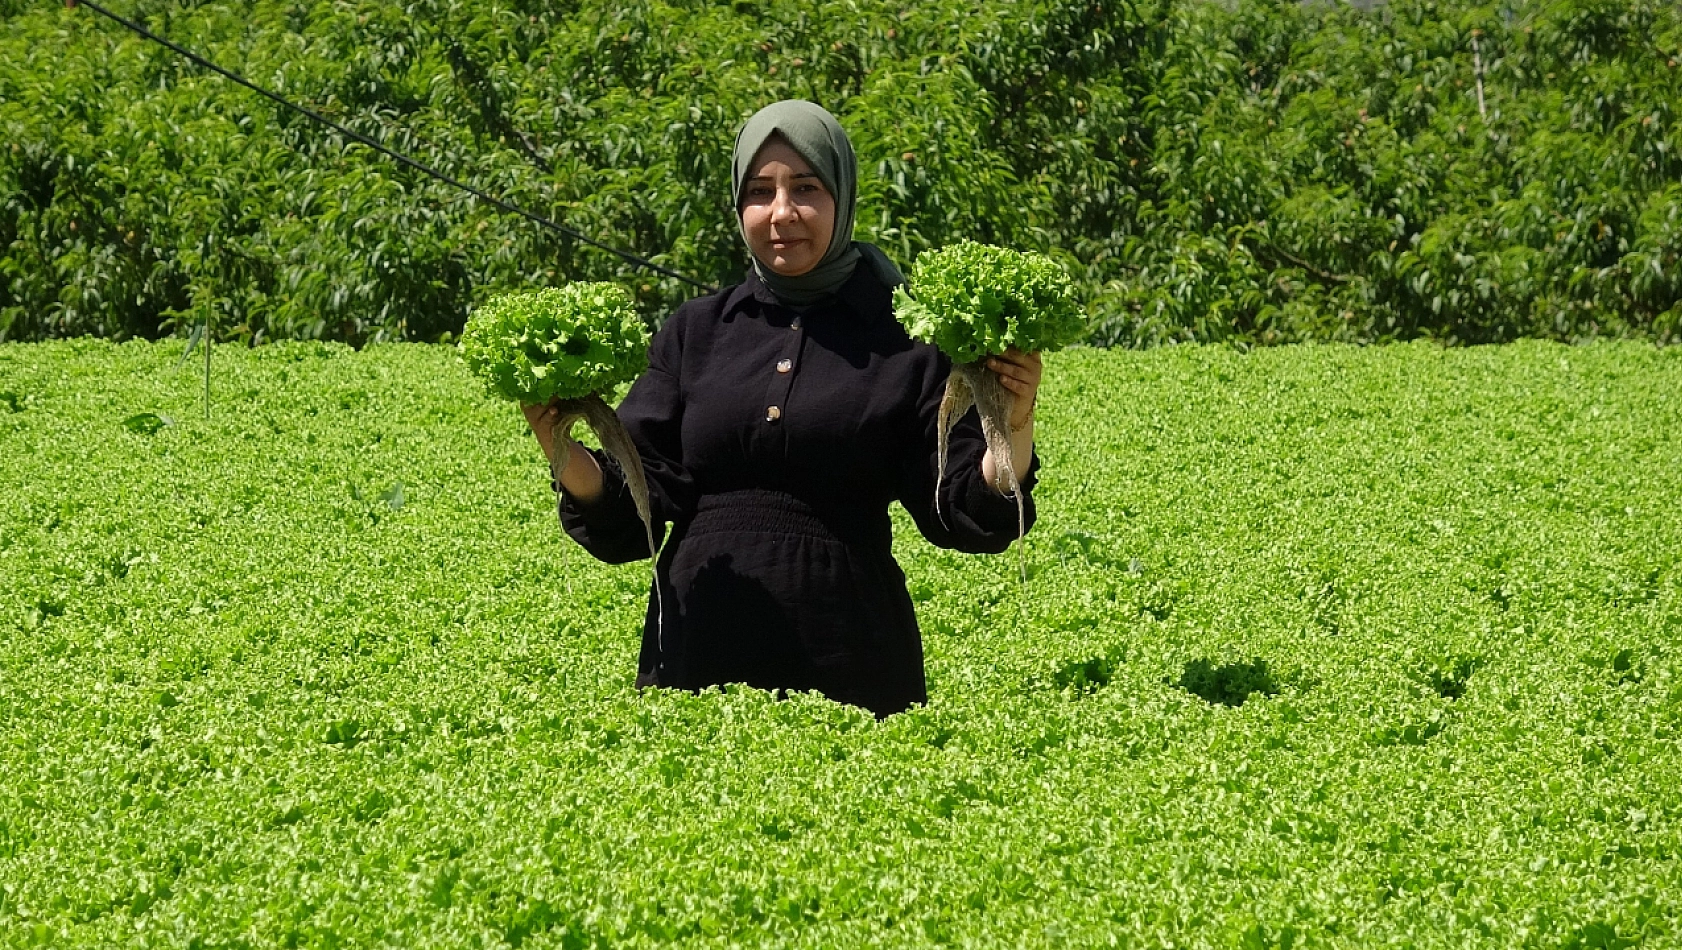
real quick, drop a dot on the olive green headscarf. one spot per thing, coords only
(819, 139)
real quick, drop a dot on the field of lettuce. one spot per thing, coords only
(1322, 647)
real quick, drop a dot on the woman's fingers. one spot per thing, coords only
(1017, 385)
(545, 418)
(1007, 369)
(1016, 358)
(1016, 366)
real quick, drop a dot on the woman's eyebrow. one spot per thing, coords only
(797, 175)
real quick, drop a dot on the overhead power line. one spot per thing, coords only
(391, 153)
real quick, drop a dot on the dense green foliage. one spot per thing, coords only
(972, 300)
(1327, 647)
(1254, 171)
(556, 343)
(1473, 171)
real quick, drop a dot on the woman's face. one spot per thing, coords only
(787, 213)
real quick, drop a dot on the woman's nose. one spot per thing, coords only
(782, 206)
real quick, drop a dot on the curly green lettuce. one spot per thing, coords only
(556, 343)
(973, 300)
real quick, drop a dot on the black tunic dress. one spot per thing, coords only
(774, 442)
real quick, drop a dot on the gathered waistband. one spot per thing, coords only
(768, 510)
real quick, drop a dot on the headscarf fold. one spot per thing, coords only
(820, 140)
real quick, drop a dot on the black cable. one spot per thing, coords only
(390, 153)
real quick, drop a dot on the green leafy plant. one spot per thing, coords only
(561, 343)
(974, 301)
(565, 347)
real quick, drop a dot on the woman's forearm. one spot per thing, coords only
(581, 477)
(1021, 456)
(1019, 373)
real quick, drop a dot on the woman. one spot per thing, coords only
(777, 421)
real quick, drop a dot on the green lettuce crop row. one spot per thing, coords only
(1324, 647)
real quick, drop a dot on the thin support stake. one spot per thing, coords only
(1477, 70)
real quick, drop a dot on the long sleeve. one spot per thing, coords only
(652, 413)
(972, 516)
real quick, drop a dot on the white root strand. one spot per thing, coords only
(973, 384)
(953, 404)
(560, 433)
(993, 403)
(616, 442)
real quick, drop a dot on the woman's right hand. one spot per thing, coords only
(542, 418)
(580, 475)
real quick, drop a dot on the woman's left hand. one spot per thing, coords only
(1020, 373)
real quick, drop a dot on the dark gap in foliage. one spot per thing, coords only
(1413, 733)
(1621, 666)
(1450, 680)
(345, 732)
(1501, 597)
(1600, 935)
(1227, 685)
(1086, 676)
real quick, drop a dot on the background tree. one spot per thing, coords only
(1258, 171)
